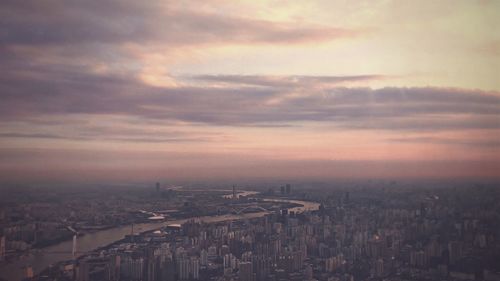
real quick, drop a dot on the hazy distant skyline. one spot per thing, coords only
(131, 90)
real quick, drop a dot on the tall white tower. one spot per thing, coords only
(73, 252)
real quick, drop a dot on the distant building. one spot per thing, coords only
(2, 248)
(308, 273)
(29, 272)
(132, 268)
(379, 268)
(183, 269)
(246, 271)
(157, 187)
(288, 188)
(97, 268)
(174, 228)
(455, 249)
(282, 188)
(188, 268)
(203, 257)
(262, 266)
(195, 268)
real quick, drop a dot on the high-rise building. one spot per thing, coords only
(188, 268)
(212, 251)
(97, 268)
(203, 257)
(262, 266)
(246, 271)
(73, 251)
(455, 250)
(195, 268)
(288, 188)
(308, 273)
(29, 272)
(168, 270)
(290, 262)
(2, 248)
(157, 187)
(131, 268)
(420, 259)
(183, 268)
(379, 268)
(224, 249)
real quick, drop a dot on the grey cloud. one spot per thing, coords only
(283, 81)
(73, 22)
(85, 22)
(31, 135)
(423, 123)
(64, 91)
(88, 135)
(492, 143)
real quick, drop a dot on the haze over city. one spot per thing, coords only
(218, 140)
(117, 91)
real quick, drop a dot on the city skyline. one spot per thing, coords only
(222, 90)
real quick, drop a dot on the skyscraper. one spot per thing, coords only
(195, 268)
(183, 268)
(308, 273)
(379, 267)
(246, 271)
(455, 249)
(2, 248)
(203, 257)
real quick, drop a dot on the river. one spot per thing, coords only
(41, 259)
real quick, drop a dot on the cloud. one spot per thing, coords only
(47, 22)
(104, 128)
(283, 81)
(490, 143)
(105, 137)
(283, 101)
(32, 135)
(490, 48)
(64, 58)
(49, 52)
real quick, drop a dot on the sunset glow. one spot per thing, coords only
(134, 90)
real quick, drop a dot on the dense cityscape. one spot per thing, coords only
(379, 232)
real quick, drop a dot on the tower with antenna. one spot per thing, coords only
(75, 236)
(73, 250)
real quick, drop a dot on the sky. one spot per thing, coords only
(116, 91)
